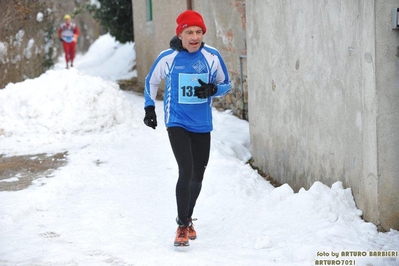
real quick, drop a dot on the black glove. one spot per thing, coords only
(61, 40)
(206, 90)
(150, 118)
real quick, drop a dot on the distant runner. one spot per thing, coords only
(68, 34)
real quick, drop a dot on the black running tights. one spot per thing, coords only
(191, 151)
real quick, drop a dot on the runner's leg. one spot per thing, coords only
(200, 145)
(73, 49)
(181, 145)
(66, 50)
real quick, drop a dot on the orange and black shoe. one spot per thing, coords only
(192, 234)
(181, 236)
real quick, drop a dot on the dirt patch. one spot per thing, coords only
(266, 176)
(131, 85)
(135, 86)
(18, 172)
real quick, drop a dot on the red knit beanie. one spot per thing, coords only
(187, 19)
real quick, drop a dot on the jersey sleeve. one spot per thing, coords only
(219, 73)
(158, 71)
(76, 30)
(152, 82)
(222, 78)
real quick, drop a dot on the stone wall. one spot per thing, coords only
(26, 45)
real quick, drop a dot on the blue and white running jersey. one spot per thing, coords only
(181, 71)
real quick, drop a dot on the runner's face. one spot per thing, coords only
(191, 38)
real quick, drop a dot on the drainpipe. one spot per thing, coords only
(242, 86)
(189, 4)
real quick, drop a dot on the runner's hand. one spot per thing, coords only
(205, 90)
(150, 118)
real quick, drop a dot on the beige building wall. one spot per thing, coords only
(387, 84)
(323, 98)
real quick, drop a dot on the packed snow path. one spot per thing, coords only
(114, 201)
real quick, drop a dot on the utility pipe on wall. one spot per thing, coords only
(242, 86)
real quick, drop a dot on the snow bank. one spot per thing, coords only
(109, 59)
(62, 102)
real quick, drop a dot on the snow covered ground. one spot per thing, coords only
(114, 202)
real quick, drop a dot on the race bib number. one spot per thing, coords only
(187, 82)
(68, 39)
